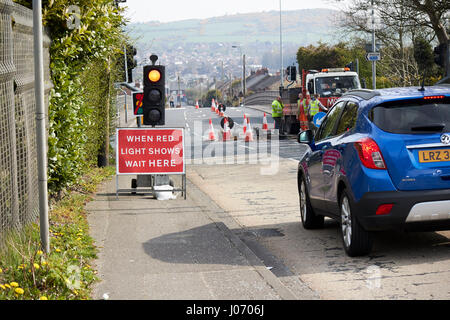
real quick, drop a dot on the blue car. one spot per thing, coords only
(380, 160)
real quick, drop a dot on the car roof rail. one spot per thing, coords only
(365, 94)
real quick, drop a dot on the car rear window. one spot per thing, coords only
(413, 116)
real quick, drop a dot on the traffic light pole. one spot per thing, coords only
(126, 63)
(446, 65)
(448, 59)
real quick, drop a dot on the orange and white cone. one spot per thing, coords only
(213, 106)
(212, 135)
(196, 105)
(249, 132)
(226, 130)
(265, 127)
(245, 123)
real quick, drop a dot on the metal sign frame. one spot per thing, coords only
(183, 173)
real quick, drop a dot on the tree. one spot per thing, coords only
(430, 14)
(322, 56)
(424, 56)
(401, 21)
(212, 94)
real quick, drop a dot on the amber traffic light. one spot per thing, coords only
(154, 95)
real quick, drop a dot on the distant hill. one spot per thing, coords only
(301, 27)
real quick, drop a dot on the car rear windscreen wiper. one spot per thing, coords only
(433, 127)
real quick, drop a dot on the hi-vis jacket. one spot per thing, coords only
(314, 107)
(277, 109)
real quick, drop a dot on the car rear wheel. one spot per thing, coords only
(357, 241)
(309, 219)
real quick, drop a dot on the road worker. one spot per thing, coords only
(314, 107)
(301, 112)
(277, 111)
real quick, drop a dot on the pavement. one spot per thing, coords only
(184, 249)
(177, 249)
(239, 236)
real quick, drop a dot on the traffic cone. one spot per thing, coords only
(245, 123)
(265, 127)
(212, 135)
(226, 130)
(213, 106)
(196, 105)
(249, 132)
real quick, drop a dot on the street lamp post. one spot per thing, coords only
(281, 53)
(374, 63)
(41, 136)
(243, 73)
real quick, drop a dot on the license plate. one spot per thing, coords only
(434, 155)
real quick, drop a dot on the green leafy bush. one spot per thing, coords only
(83, 68)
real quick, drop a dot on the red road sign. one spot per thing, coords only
(150, 151)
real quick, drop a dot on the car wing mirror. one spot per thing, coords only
(305, 137)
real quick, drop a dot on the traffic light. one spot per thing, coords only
(291, 72)
(154, 103)
(131, 62)
(440, 54)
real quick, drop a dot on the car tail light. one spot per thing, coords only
(384, 209)
(433, 97)
(370, 154)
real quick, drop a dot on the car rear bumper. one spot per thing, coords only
(413, 210)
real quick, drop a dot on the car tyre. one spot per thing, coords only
(309, 219)
(356, 240)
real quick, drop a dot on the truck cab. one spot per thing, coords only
(330, 84)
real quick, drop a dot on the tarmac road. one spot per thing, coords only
(260, 208)
(401, 266)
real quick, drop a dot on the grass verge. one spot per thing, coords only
(27, 273)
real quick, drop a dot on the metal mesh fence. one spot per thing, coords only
(18, 164)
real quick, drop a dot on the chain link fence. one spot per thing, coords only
(18, 164)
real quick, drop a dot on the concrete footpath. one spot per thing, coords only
(176, 249)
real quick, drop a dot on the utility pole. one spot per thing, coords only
(179, 91)
(243, 68)
(281, 53)
(374, 63)
(243, 80)
(201, 91)
(231, 86)
(357, 66)
(41, 137)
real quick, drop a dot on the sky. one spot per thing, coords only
(174, 10)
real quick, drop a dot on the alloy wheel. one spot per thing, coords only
(303, 207)
(346, 222)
